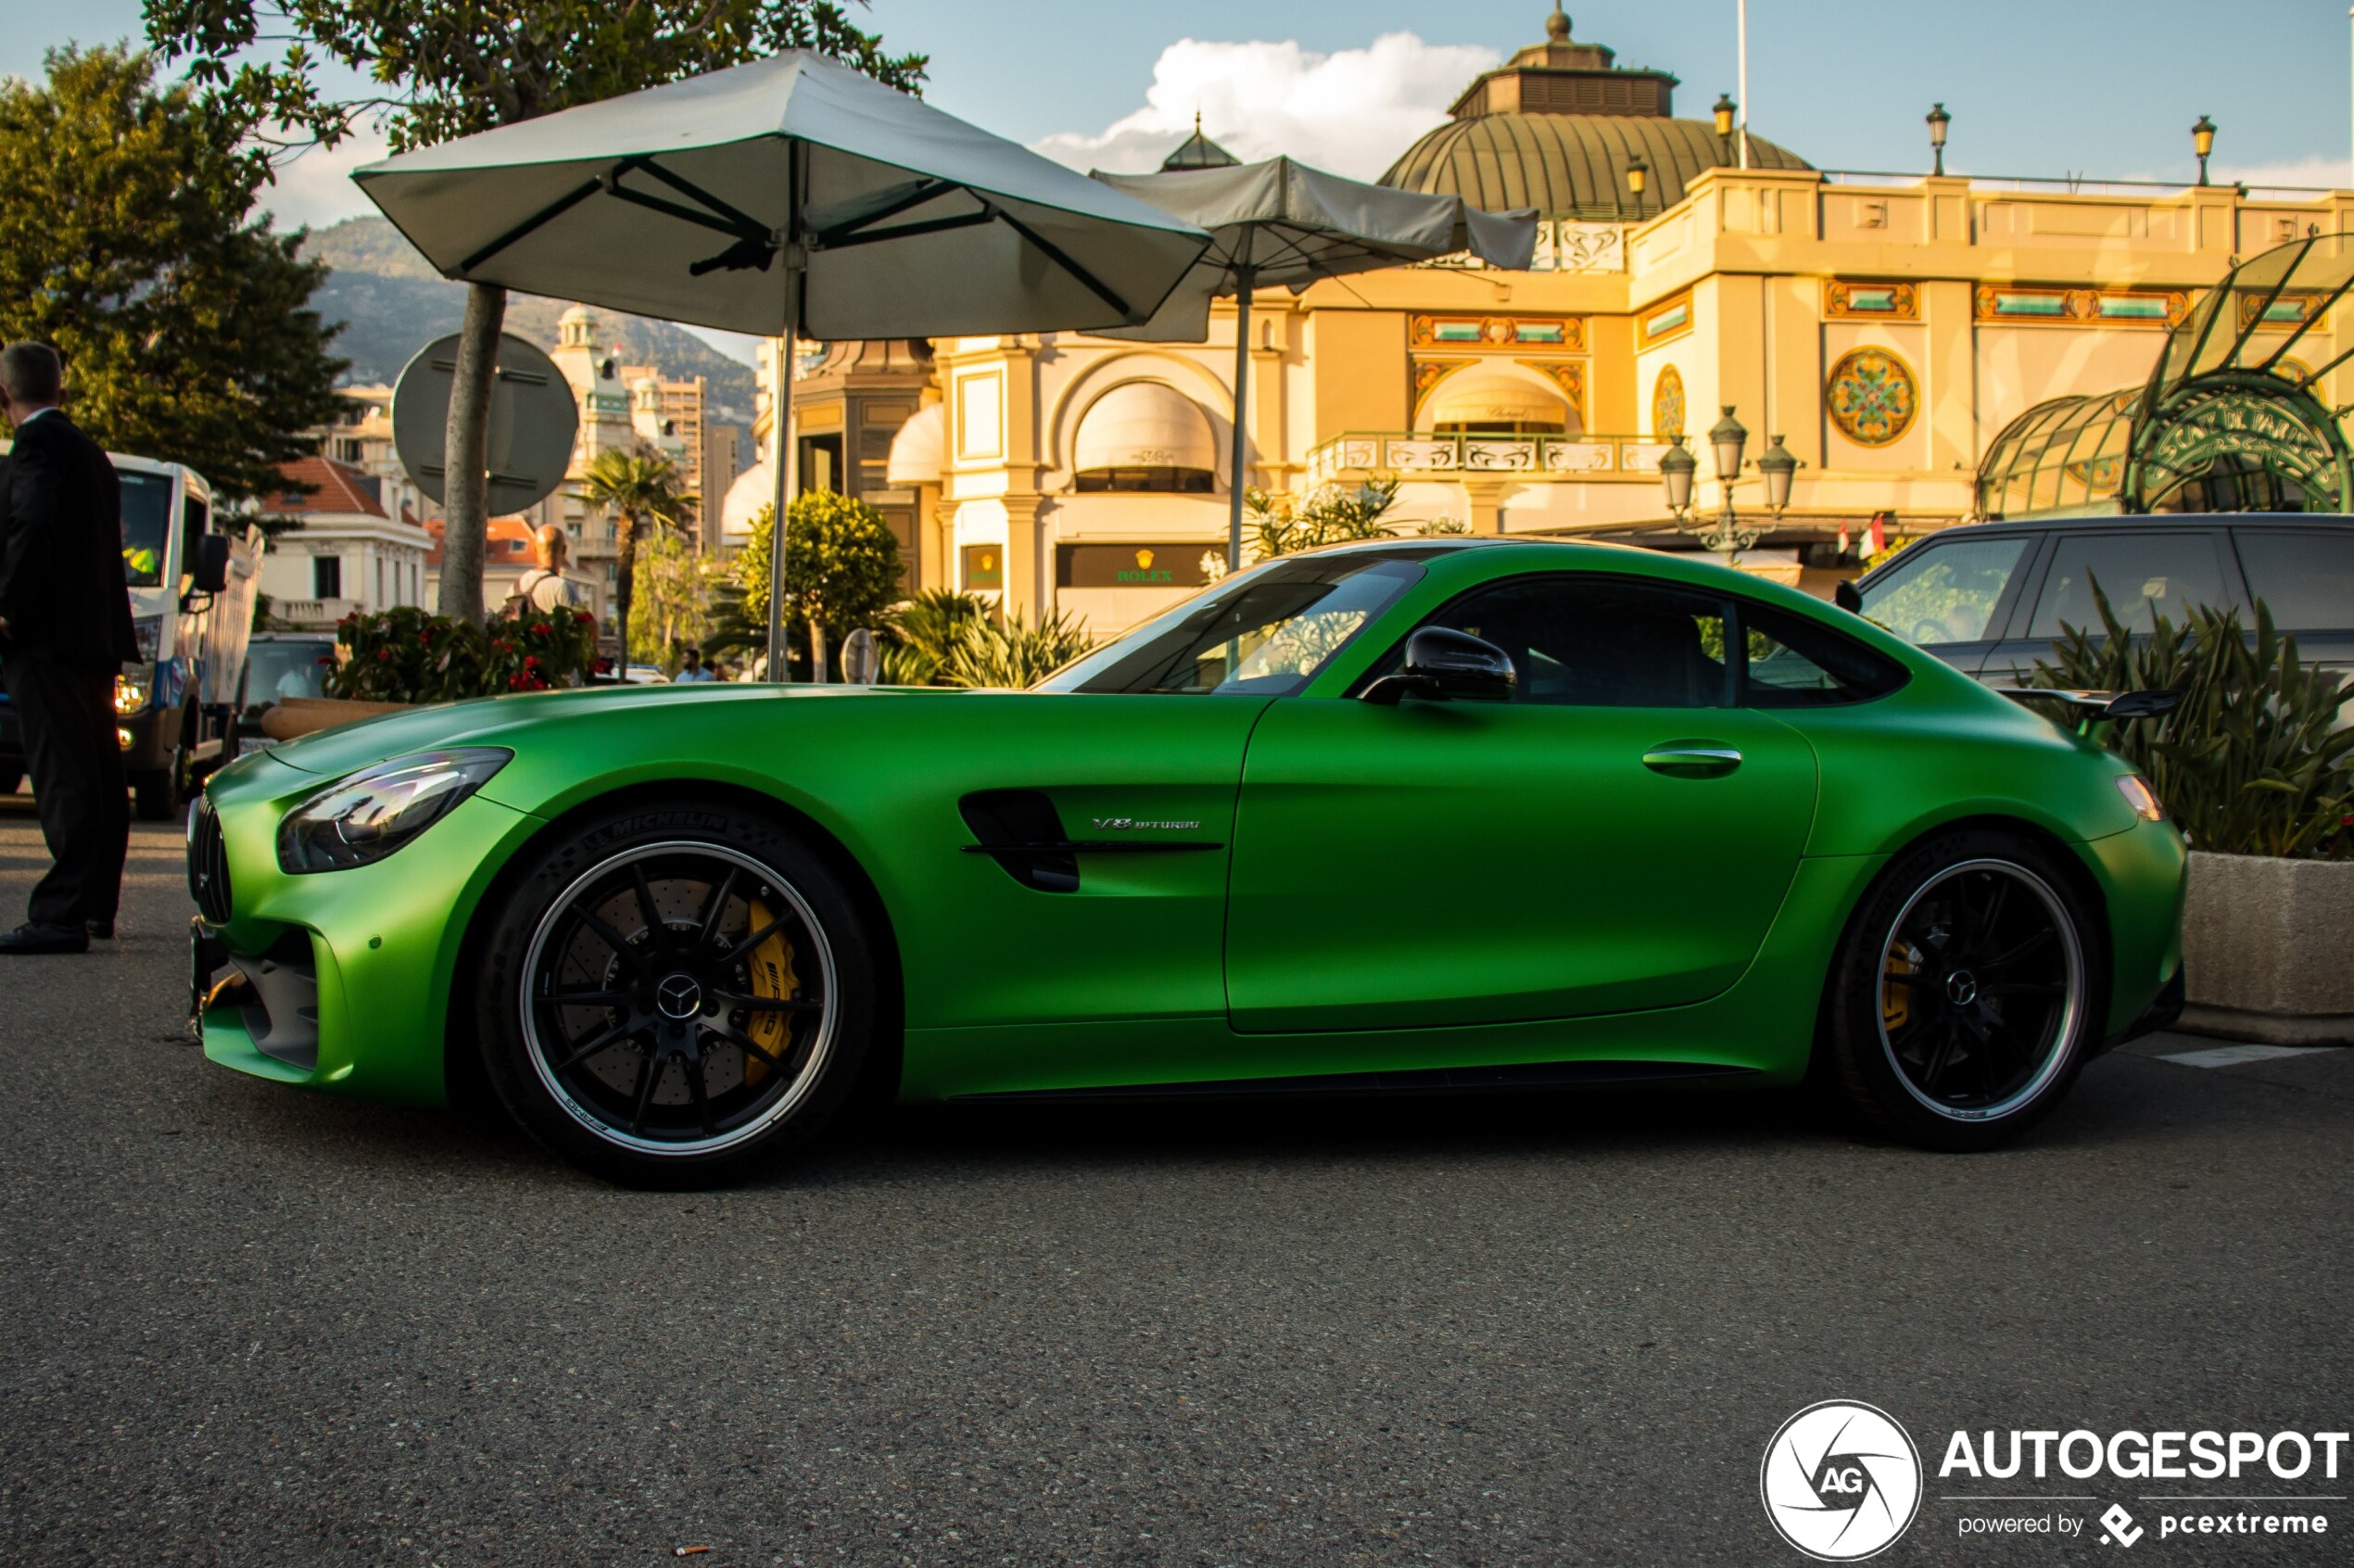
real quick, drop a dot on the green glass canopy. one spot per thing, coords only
(2230, 419)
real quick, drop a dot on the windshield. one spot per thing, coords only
(275, 671)
(146, 516)
(1266, 632)
(1944, 592)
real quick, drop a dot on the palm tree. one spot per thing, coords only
(637, 486)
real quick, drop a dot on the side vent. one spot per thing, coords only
(1020, 829)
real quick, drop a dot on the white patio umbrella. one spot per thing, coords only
(790, 196)
(1280, 223)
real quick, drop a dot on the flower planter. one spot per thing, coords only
(2267, 949)
(290, 719)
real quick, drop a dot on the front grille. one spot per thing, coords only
(207, 862)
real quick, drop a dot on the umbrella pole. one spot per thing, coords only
(782, 465)
(1244, 277)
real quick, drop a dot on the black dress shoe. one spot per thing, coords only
(32, 938)
(101, 930)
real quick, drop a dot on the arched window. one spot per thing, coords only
(1145, 436)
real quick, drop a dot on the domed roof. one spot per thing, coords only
(1573, 165)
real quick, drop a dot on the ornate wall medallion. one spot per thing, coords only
(1667, 403)
(1871, 395)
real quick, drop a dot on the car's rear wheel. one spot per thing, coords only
(1966, 994)
(676, 996)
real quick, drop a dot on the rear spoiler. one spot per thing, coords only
(2101, 707)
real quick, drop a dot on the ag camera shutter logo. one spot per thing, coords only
(1840, 1481)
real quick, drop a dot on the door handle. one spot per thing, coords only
(1692, 760)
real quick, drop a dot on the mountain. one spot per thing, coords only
(392, 303)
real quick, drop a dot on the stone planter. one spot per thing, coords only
(293, 717)
(2267, 949)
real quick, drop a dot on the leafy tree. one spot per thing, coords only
(127, 241)
(672, 606)
(444, 68)
(641, 486)
(841, 568)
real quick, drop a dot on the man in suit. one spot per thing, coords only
(65, 633)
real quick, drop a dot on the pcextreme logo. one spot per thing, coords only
(1840, 1481)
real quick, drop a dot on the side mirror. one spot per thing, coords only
(208, 563)
(1448, 666)
(1848, 597)
(861, 657)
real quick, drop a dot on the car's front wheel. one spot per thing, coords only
(676, 996)
(1965, 995)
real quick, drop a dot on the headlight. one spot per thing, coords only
(148, 632)
(130, 690)
(2139, 795)
(361, 820)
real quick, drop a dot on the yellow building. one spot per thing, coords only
(1885, 329)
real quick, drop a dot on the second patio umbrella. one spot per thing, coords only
(1280, 223)
(791, 195)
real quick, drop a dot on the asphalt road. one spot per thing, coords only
(242, 1325)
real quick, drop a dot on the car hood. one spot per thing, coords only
(504, 721)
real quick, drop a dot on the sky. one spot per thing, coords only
(2105, 89)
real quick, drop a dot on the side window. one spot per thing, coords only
(2144, 576)
(1945, 592)
(1602, 642)
(1792, 662)
(2305, 578)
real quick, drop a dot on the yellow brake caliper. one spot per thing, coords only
(1896, 991)
(772, 975)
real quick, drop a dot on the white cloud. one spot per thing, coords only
(1351, 112)
(315, 189)
(2316, 170)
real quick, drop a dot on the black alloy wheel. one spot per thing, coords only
(679, 1006)
(1965, 995)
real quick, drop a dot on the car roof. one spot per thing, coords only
(2142, 522)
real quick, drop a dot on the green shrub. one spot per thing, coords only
(922, 636)
(2254, 761)
(407, 655)
(1018, 655)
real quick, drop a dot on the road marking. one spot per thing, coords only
(2232, 1056)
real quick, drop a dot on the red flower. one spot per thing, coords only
(540, 629)
(514, 683)
(586, 619)
(384, 655)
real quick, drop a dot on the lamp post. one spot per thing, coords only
(1938, 121)
(1727, 533)
(2203, 142)
(1638, 179)
(1724, 110)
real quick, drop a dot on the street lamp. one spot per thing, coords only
(2203, 142)
(1675, 474)
(1777, 467)
(1727, 533)
(1938, 121)
(1638, 179)
(1726, 109)
(1728, 439)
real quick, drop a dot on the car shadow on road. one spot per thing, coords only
(957, 1141)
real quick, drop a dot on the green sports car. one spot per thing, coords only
(1405, 814)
